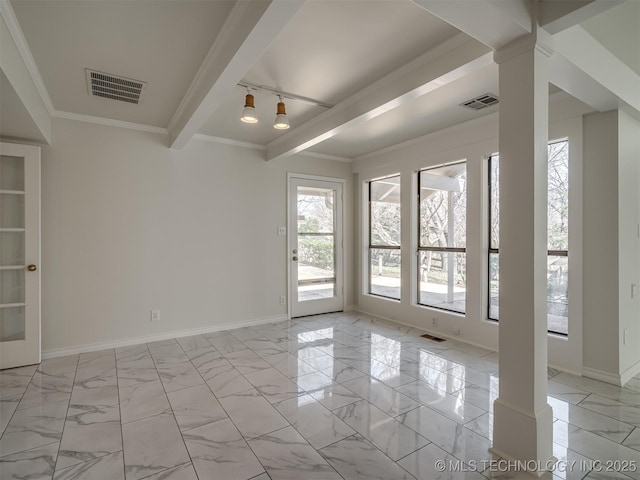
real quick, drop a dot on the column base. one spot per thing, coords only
(526, 439)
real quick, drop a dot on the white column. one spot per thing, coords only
(522, 418)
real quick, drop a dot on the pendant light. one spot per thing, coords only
(249, 112)
(281, 122)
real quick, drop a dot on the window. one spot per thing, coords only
(442, 232)
(557, 237)
(384, 237)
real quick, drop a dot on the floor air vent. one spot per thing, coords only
(432, 338)
(483, 101)
(114, 87)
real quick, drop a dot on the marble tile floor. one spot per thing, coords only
(337, 396)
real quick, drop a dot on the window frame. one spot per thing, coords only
(435, 249)
(371, 246)
(496, 251)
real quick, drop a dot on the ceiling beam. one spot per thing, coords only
(20, 69)
(598, 66)
(566, 76)
(247, 33)
(492, 22)
(449, 61)
(558, 15)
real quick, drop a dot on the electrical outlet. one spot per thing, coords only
(457, 331)
(155, 315)
(434, 322)
(634, 290)
(283, 300)
(282, 231)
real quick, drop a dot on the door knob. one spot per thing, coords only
(295, 258)
(32, 268)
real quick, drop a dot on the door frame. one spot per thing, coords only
(28, 353)
(340, 248)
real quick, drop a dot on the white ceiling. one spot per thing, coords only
(618, 29)
(160, 42)
(329, 51)
(429, 113)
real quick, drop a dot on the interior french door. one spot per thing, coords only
(315, 246)
(19, 255)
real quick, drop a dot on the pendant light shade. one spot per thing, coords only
(249, 112)
(281, 122)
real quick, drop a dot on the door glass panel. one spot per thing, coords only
(11, 173)
(11, 249)
(12, 286)
(11, 324)
(11, 210)
(316, 243)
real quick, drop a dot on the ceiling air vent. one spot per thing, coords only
(481, 102)
(114, 87)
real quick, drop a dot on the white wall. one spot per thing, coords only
(612, 246)
(629, 241)
(472, 142)
(129, 225)
(600, 243)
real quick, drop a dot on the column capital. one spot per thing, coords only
(539, 40)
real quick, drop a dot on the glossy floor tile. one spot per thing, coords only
(319, 426)
(331, 396)
(218, 450)
(286, 455)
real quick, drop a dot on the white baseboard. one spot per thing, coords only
(458, 339)
(629, 373)
(607, 377)
(125, 342)
(435, 333)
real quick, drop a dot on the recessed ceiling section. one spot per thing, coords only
(328, 52)
(332, 49)
(429, 113)
(163, 43)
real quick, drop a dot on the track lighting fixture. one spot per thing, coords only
(249, 112)
(281, 122)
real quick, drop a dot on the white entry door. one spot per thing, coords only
(19, 255)
(315, 246)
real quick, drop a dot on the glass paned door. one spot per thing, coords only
(315, 246)
(19, 255)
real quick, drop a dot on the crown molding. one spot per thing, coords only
(324, 156)
(228, 141)
(11, 20)
(109, 122)
(539, 41)
(262, 148)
